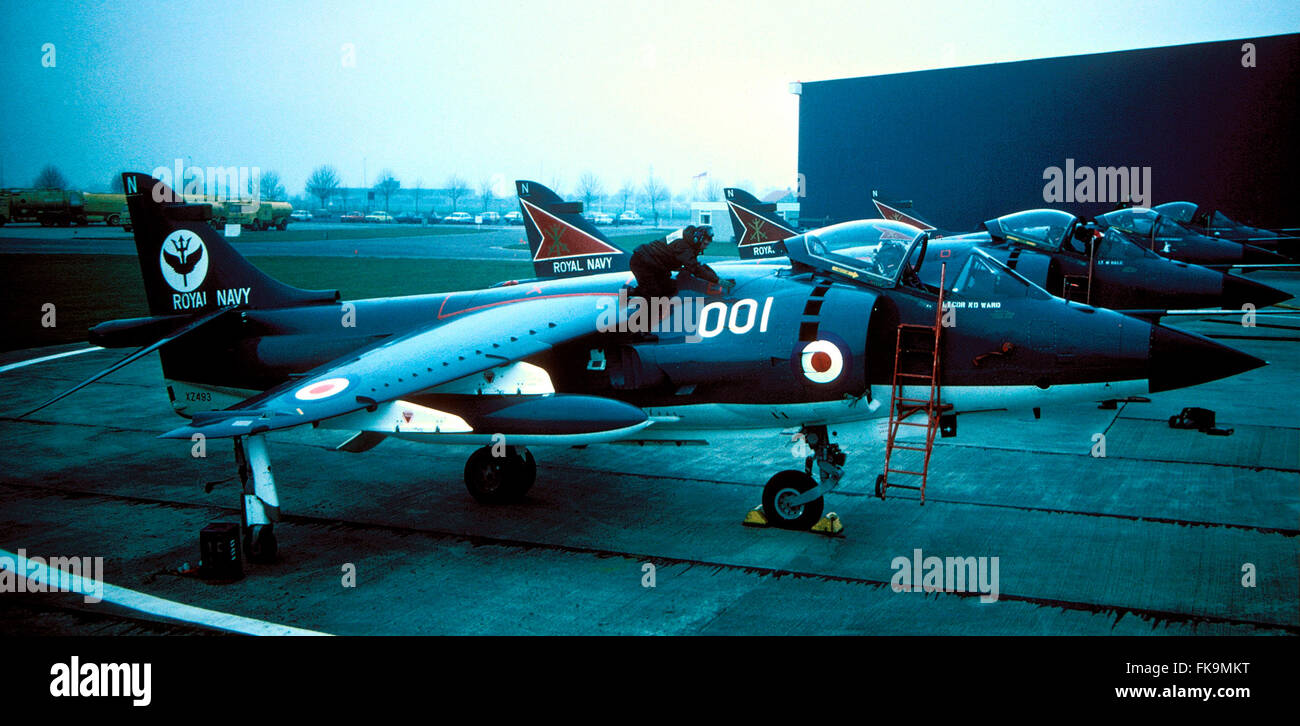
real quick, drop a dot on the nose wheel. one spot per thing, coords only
(793, 499)
(779, 495)
(500, 479)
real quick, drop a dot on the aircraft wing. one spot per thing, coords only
(469, 343)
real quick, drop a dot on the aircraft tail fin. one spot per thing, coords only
(758, 229)
(894, 210)
(188, 267)
(562, 242)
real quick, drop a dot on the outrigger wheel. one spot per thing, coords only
(782, 487)
(500, 479)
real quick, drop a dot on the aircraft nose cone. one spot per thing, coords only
(1180, 359)
(1237, 291)
(1252, 255)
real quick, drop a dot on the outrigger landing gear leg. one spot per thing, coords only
(261, 503)
(793, 499)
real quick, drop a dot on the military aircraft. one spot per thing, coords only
(1074, 260)
(802, 347)
(1214, 223)
(1167, 238)
(1149, 230)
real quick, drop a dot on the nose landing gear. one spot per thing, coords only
(793, 499)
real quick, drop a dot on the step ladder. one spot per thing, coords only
(916, 363)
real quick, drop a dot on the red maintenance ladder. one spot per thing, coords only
(917, 347)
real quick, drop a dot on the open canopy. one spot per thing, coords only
(870, 251)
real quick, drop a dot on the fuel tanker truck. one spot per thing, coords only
(63, 208)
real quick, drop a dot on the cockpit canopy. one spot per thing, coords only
(1138, 220)
(1145, 224)
(1178, 211)
(870, 251)
(1043, 228)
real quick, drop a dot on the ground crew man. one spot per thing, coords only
(654, 262)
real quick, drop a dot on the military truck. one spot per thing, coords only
(255, 215)
(58, 207)
(50, 207)
(107, 208)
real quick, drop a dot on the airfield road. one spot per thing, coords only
(1151, 538)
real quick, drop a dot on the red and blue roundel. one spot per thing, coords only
(824, 361)
(321, 389)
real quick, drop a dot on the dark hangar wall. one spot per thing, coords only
(968, 144)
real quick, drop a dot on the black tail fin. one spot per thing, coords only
(894, 211)
(563, 243)
(758, 229)
(188, 267)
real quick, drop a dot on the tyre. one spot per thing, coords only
(785, 485)
(499, 479)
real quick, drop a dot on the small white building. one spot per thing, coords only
(716, 215)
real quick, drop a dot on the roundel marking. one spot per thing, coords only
(183, 260)
(321, 389)
(822, 361)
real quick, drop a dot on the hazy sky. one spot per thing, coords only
(541, 90)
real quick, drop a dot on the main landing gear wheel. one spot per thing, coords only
(500, 479)
(783, 486)
(259, 543)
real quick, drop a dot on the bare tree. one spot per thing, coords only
(323, 183)
(50, 178)
(557, 185)
(418, 183)
(456, 188)
(627, 193)
(485, 192)
(590, 188)
(115, 186)
(386, 185)
(270, 188)
(713, 192)
(655, 192)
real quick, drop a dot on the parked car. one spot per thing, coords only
(300, 215)
(379, 216)
(488, 218)
(408, 218)
(458, 218)
(514, 218)
(433, 218)
(630, 217)
(353, 217)
(601, 218)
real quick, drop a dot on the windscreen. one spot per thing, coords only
(984, 278)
